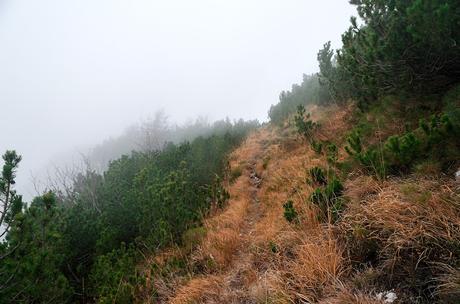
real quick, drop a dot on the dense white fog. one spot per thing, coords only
(74, 73)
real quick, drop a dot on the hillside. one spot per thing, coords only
(350, 193)
(393, 238)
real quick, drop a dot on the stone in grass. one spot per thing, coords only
(387, 296)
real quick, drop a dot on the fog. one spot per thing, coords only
(74, 73)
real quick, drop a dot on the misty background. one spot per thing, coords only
(74, 74)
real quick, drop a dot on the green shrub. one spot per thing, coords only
(406, 47)
(437, 128)
(334, 189)
(440, 127)
(328, 198)
(304, 125)
(441, 140)
(354, 146)
(402, 150)
(290, 214)
(219, 194)
(114, 278)
(309, 91)
(371, 159)
(317, 146)
(318, 176)
(318, 197)
(332, 154)
(374, 161)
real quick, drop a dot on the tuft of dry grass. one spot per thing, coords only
(404, 228)
(200, 290)
(318, 266)
(360, 188)
(348, 296)
(224, 230)
(406, 219)
(448, 288)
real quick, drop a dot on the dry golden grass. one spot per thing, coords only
(200, 290)
(412, 224)
(317, 267)
(409, 213)
(224, 234)
(251, 254)
(159, 288)
(308, 261)
(225, 229)
(360, 188)
(335, 122)
(347, 296)
(227, 233)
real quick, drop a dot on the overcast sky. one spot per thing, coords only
(73, 73)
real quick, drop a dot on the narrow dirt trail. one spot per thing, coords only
(250, 253)
(234, 233)
(241, 262)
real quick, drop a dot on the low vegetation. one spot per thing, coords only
(354, 201)
(87, 246)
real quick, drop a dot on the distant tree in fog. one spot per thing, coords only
(10, 202)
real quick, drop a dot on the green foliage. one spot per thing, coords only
(114, 277)
(317, 146)
(330, 75)
(329, 200)
(402, 46)
(436, 140)
(441, 140)
(10, 203)
(328, 195)
(437, 129)
(334, 189)
(290, 214)
(33, 272)
(84, 247)
(304, 125)
(219, 195)
(371, 158)
(402, 150)
(308, 92)
(318, 197)
(332, 153)
(318, 176)
(354, 146)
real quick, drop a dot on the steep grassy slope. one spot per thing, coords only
(399, 233)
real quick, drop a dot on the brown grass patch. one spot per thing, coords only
(360, 188)
(318, 265)
(200, 290)
(405, 228)
(223, 238)
(395, 232)
(335, 122)
(348, 296)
